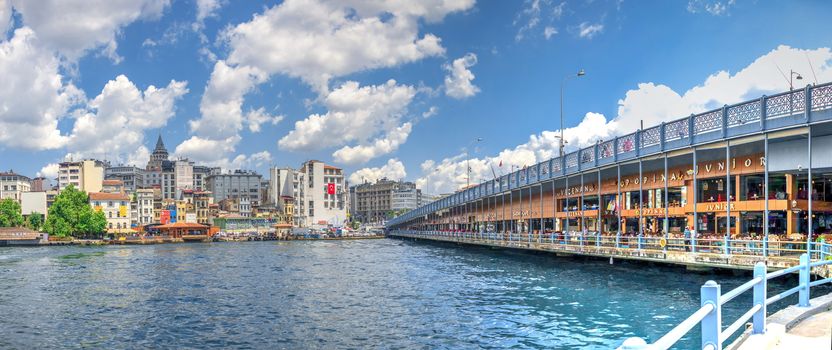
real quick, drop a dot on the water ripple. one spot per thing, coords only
(384, 294)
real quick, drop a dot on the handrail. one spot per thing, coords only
(739, 290)
(675, 334)
(712, 334)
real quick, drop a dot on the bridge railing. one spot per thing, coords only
(594, 242)
(709, 315)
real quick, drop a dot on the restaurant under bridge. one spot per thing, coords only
(725, 188)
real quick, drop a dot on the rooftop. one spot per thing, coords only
(102, 196)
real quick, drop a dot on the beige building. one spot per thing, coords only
(85, 175)
(116, 208)
(13, 185)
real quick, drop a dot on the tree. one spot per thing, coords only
(35, 221)
(71, 214)
(10, 213)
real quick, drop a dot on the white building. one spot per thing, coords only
(144, 207)
(13, 185)
(33, 202)
(85, 175)
(325, 196)
(116, 208)
(176, 176)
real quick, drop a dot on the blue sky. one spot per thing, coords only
(382, 88)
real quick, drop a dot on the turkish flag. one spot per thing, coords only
(330, 188)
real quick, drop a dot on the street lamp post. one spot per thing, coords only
(562, 86)
(793, 75)
(468, 162)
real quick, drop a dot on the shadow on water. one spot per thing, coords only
(82, 255)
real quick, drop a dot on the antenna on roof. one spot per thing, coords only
(811, 67)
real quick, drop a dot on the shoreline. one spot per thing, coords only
(101, 242)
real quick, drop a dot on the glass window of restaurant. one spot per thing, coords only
(788, 160)
(714, 190)
(590, 202)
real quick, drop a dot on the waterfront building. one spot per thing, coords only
(203, 200)
(754, 170)
(376, 202)
(41, 184)
(176, 176)
(86, 175)
(200, 174)
(287, 191)
(324, 199)
(238, 184)
(143, 204)
(240, 206)
(132, 177)
(13, 185)
(113, 186)
(33, 202)
(10, 236)
(116, 208)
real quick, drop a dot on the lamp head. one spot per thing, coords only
(799, 77)
(582, 73)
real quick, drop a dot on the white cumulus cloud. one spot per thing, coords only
(385, 144)
(392, 170)
(72, 27)
(49, 171)
(458, 82)
(356, 115)
(34, 96)
(116, 120)
(315, 41)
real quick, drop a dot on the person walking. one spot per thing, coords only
(687, 238)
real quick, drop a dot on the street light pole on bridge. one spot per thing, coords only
(562, 86)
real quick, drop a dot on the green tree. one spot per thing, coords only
(10, 213)
(72, 215)
(35, 221)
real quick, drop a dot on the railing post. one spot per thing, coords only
(763, 113)
(712, 323)
(808, 100)
(617, 239)
(691, 120)
(805, 270)
(725, 248)
(598, 238)
(615, 149)
(725, 122)
(638, 142)
(662, 134)
(639, 241)
(759, 318)
(693, 242)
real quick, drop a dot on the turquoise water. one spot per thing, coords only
(389, 294)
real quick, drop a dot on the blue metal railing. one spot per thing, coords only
(791, 108)
(709, 316)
